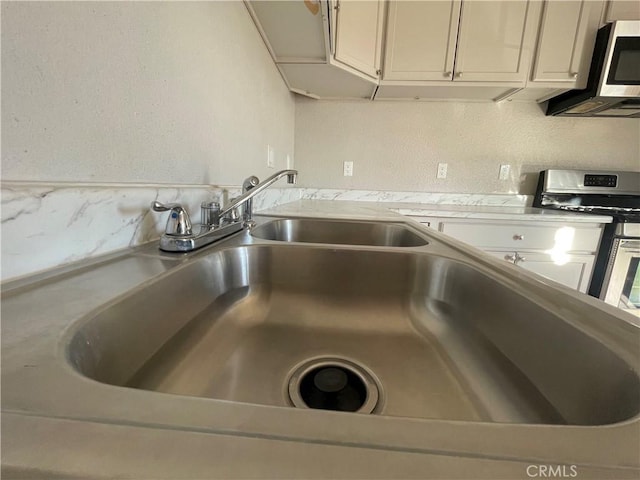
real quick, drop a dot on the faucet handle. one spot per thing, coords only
(178, 223)
(164, 207)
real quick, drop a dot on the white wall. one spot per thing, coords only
(186, 93)
(182, 94)
(148, 92)
(397, 146)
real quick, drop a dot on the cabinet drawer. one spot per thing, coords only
(518, 236)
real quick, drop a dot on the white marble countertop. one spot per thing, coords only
(387, 210)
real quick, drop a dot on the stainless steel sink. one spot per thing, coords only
(436, 338)
(447, 357)
(345, 232)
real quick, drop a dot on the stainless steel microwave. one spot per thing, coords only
(613, 86)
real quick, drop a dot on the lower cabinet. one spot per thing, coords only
(573, 271)
(563, 252)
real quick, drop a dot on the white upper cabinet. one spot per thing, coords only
(495, 40)
(325, 81)
(358, 35)
(623, 10)
(421, 40)
(463, 41)
(296, 33)
(293, 32)
(434, 49)
(565, 41)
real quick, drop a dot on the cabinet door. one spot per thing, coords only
(565, 42)
(359, 35)
(495, 40)
(574, 271)
(623, 10)
(421, 40)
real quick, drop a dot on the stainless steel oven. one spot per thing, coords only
(621, 286)
(616, 277)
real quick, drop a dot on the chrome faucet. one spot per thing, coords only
(247, 185)
(254, 187)
(217, 223)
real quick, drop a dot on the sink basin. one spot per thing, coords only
(339, 232)
(418, 335)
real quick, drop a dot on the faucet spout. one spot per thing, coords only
(292, 176)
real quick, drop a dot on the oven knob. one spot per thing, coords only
(517, 236)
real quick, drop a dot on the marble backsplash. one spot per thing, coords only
(48, 225)
(44, 226)
(418, 197)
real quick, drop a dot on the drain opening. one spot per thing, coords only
(333, 388)
(333, 384)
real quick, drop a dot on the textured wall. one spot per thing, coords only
(160, 92)
(186, 93)
(397, 146)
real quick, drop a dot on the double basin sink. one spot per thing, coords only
(427, 335)
(380, 325)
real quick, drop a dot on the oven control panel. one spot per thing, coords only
(600, 180)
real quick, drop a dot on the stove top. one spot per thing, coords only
(593, 192)
(620, 215)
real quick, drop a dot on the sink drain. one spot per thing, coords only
(333, 384)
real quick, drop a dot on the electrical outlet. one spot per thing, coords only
(348, 169)
(271, 160)
(504, 172)
(442, 170)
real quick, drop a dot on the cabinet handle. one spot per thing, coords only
(514, 258)
(518, 236)
(459, 74)
(447, 74)
(574, 74)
